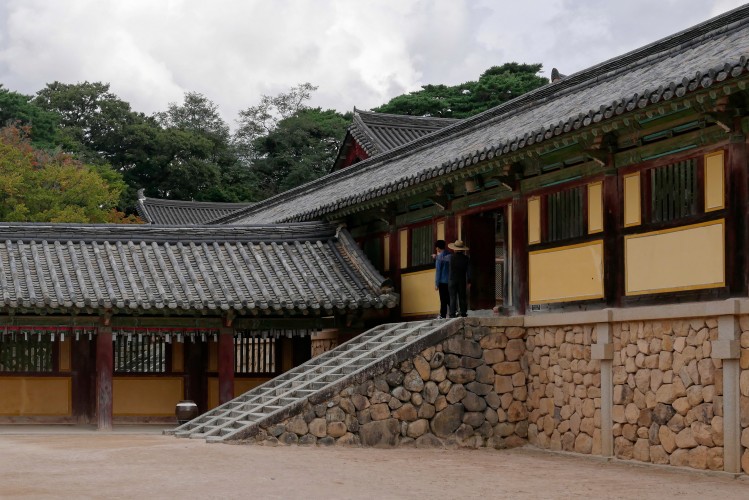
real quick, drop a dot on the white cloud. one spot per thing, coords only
(359, 53)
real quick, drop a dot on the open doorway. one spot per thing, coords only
(486, 236)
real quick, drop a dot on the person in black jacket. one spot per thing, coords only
(459, 279)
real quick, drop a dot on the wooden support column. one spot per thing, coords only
(613, 243)
(83, 368)
(451, 228)
(737, 268)
(395, 267)
(104, 373)
(225, 364)
(519, 254)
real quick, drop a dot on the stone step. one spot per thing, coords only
(242, 416)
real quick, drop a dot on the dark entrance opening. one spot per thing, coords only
(486, 236)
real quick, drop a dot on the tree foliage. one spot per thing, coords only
(36, 186)
(495, 86)
(299, 149)
(70, 150)
(19, 110)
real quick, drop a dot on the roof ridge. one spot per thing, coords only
(38, 231)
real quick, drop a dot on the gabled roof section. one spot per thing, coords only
(669, 69)
(378, 133)
(183, 213)
(284, 269)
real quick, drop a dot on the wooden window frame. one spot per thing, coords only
(275, 343)
(165, 353)
(54, 354)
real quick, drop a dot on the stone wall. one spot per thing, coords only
(670, 388)
(468, 390)
(667, 398)
(564, 389)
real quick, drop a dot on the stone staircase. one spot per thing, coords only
(317, 380)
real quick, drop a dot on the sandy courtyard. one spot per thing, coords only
(146, 465)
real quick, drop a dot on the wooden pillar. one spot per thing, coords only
(104, 373)
(519, 254)
(83, 358)
(737, 269)
(195, 355)
(395, 267)
(451, 228)
(225, 365)
(613, 243)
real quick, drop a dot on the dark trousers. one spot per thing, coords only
(458, 299)
(444, 299)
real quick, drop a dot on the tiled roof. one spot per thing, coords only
(279, 269)
(669, 69)
(378, 133)
(183, 213)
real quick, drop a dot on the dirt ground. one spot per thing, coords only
(146, 465)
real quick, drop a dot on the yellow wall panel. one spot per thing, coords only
(566, 274)
(35, 396)
(146, 396)
(178, 357)
(684, 258)
(595, 207)
(418, 296)
(64, 353)
(632, 215)
(714, 182)
(403, 242)
(241, 385)
(441, 230)
(212, 356)
(534, 220)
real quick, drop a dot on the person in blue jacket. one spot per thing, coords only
(442, 263)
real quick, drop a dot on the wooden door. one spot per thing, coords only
(479, 233)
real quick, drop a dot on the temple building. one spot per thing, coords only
(615, 188)
(106, 323)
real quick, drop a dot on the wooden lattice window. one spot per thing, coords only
(564, 214)
(255, 355)
(140, 353)
(673, 191)
(27, 353)
(422, 245)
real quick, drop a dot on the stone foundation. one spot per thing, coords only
(467, 391)
(644, 384)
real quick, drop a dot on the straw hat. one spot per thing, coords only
(458, 246)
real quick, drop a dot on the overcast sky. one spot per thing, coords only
(359, 52)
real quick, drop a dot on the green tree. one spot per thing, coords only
(261, 120)
(93, 120)
(37, 186)
(299, 149)
(203, 163)
(495, 86)
(17, 109)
